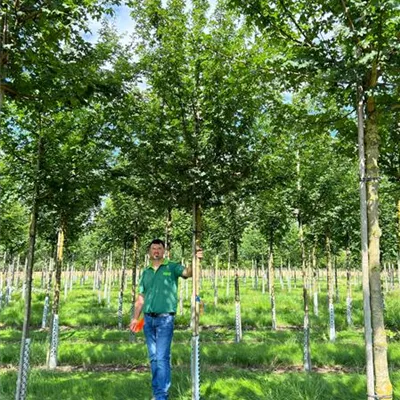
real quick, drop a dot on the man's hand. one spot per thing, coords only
(133, 325)
(199, 253)
(136, 325)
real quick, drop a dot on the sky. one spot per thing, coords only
(122, 20)
(123, 23)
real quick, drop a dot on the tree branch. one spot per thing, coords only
(350, 21)
(289, 14)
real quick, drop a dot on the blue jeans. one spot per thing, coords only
(158, 332)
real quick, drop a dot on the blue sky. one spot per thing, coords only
(123, 22)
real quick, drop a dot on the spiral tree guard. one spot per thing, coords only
(45, 311)
(22, 381)
(195, 363)
(54, 344)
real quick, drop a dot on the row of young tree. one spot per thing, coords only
(244, 113)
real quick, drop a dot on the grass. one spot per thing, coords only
(266, 364)
(227, 383)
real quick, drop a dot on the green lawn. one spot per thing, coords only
(97, 361)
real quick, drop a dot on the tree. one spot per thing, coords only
(337, 48)
(195, 142)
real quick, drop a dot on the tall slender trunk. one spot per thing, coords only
(135, 262)
(121, 287)
(263, 275)
(3, 53)
(306, 324)
(195, 360)
(238, 315)
(314, 279)
(228, 281)
(216, 281)
(54, 325)
(364, 248)
(332, 332)
(349, 299)
(386, 276)
(289, 278)
(336, 279)
(272, 281)
(25, 340)
(383, 386)
(398, 242)
(47, 295)
(3, 277)
(255, 274)
(168, 233)
(181, 284)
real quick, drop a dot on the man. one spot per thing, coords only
(158, 298)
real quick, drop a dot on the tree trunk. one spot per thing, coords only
(349, 299)
(54, 326)
(228, 281)
(314, 279)
(306, 324)
(195, 360)
(336, 279)
(121, 287)
(22, 380)
(47, 296)
(383, 386)
(263, 275)
(168, 234)
(398, 242)
(3, 53)
(332, 332)
(272, 281)
(238, 315)
(216, 281)
(135, 259)
(364, 249)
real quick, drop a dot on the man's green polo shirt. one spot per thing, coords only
(160, 287)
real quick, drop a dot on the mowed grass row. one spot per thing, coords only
(271, 351)
(82, 308)
(216, 384)
(89, 340)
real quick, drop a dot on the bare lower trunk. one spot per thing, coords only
(238, 316)
(228, 281)
(383, 386)
(272, 283)
(349, 299)
(195, 360)
(168, 235)
(364, 249)
(122, 287)
(332, 332)
(216, 281)
(53, 349)
(22, 380)
(135, 261)
(314, 279)
(398, 242)
(306, 324)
